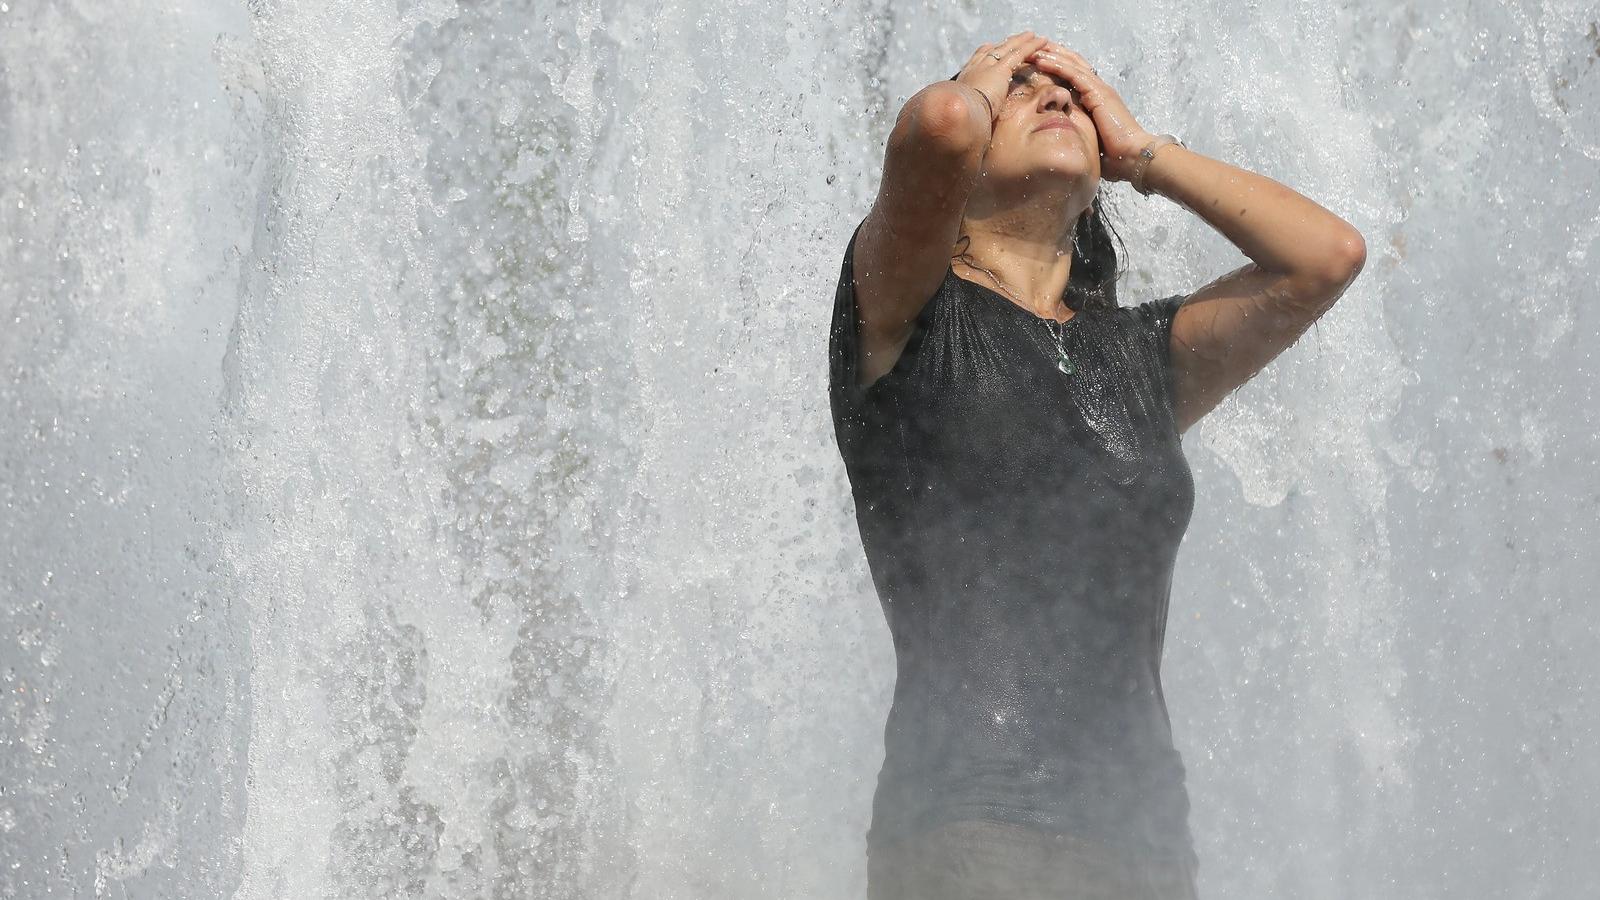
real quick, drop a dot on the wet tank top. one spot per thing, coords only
(1021, 526)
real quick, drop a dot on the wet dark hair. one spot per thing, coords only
(1095, 259)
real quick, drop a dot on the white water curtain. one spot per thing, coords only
(416, 476)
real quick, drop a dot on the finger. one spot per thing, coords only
(1002, 45)
(1079, 58)
(1072, 71)
(986, 55)
(1070, 55)
(1062, 72)
(1021, 55)
(1032, 47)
(1013, 50)
(1062, 50)
(1082, 76)
(980, 53)
(1049, 58)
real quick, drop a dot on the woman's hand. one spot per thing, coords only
(1121, 137)
(990, 76)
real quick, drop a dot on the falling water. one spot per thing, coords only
(417, 477)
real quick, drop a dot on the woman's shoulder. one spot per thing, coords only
(1163, 306)
(927, 344)
(1152, 319)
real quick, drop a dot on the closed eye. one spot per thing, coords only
(1025, 82)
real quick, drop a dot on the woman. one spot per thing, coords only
(1011, 435)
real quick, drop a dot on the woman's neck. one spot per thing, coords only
(1033, 272)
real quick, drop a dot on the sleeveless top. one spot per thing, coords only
(1021, 526)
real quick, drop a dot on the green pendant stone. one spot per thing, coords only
(1065, 365)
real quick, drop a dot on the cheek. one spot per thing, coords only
(1090, 136)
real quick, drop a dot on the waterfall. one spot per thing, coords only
(418, 481)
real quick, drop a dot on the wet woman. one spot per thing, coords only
(1011, 435)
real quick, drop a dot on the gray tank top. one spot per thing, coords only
(1021, 526)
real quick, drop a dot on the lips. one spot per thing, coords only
(1055, 123)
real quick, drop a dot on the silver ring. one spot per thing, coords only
(995, 55)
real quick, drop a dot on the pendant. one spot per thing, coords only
(1065, 364)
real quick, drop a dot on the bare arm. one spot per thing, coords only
(903, 248)
(930, 165)
(1303, 257)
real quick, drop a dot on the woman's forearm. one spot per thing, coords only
(1278, 228)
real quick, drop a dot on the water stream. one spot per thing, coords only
(417, 476)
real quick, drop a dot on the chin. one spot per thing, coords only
(1069, 166)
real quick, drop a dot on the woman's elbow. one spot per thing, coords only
(942, 116)
(1344, 259)
(1353, 249)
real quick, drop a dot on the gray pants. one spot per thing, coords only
(983, 860)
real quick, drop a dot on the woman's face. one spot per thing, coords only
(1024, 152)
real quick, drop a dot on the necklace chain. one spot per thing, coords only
(1063, 363)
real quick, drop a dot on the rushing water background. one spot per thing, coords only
(417, 480)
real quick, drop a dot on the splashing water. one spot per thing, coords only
(418, 480)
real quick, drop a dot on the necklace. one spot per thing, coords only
(1063, 363)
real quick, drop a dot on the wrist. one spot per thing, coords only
(1145, 165)
(981, 102)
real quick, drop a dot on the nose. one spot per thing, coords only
(1056, 97)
